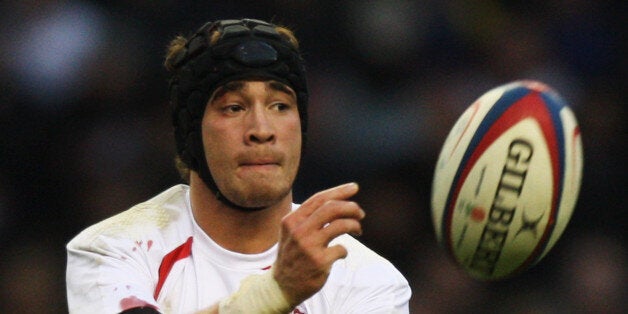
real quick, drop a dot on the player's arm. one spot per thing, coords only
(102, 278)
(304, 259)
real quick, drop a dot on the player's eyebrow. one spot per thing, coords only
(278, 86)
(237, 86)
(233, 86)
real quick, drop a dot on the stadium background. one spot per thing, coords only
(85, 133)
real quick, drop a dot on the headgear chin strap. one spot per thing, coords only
(246, 48)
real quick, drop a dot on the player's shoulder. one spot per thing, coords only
(362, 259)
(357, 250)
(151, 216)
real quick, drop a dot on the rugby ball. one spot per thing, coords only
(507, 179)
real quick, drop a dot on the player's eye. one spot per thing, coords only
(281, 106)
(232, 108)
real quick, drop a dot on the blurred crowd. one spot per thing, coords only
(85, 129)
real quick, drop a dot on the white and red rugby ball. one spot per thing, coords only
(507, 179)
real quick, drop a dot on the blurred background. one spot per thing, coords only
(85, 130)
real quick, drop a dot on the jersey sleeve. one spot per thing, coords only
(392, 295)
(107, 275)
(365, 282)
(375, 290)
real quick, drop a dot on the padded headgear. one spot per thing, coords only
(246, 48)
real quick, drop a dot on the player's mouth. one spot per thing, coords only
(260, 164)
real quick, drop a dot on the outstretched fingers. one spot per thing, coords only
(341, 192)
(339, 227)
(333, 210)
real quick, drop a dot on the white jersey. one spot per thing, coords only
(155, 254)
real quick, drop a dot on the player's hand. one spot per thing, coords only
(304, 259)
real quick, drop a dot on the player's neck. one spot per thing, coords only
(247, 232)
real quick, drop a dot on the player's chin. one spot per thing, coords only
(262, 195)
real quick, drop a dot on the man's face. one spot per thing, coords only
(252, 141)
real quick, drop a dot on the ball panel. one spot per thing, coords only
(552, 131)
(508, 179)
(452, 153)
(572, 175)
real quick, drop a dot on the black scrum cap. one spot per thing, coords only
(246, 48)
